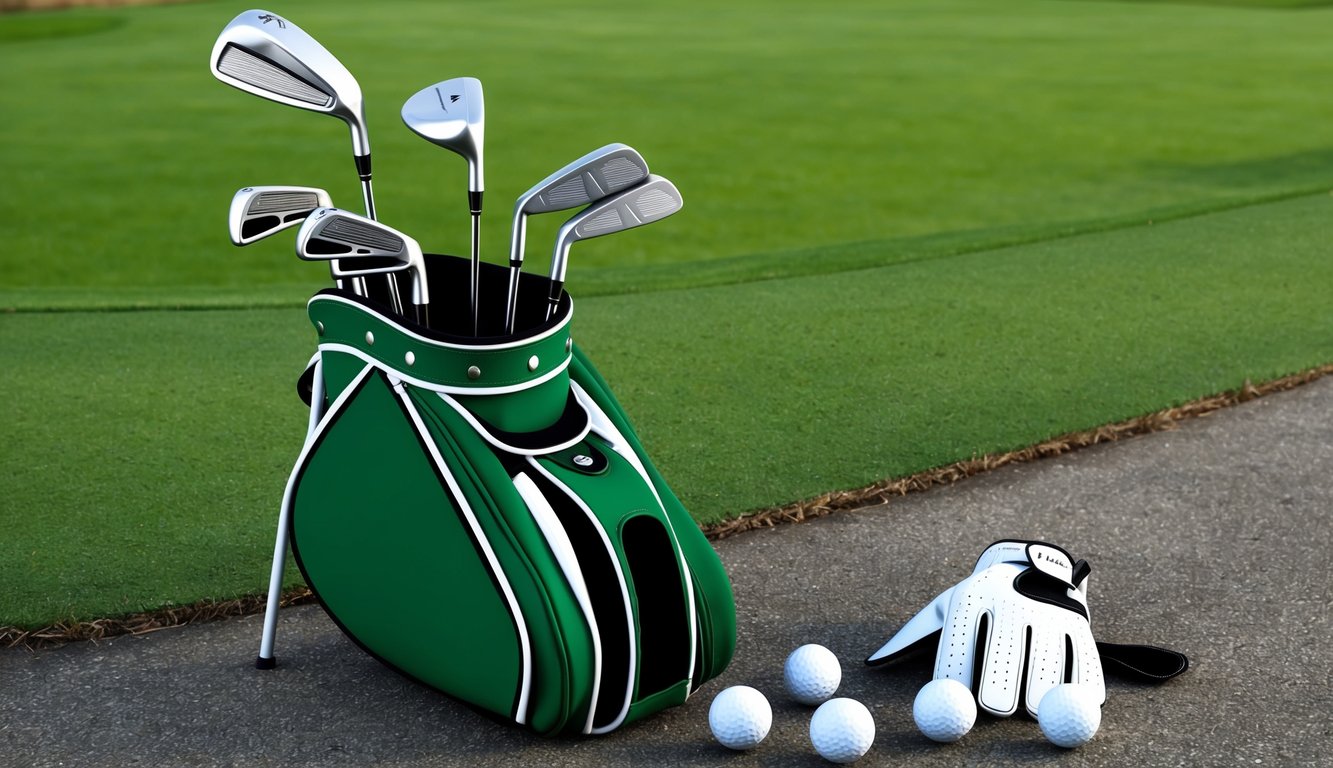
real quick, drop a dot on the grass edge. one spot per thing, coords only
(878, 493)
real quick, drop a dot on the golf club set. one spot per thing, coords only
(269, 56)
(471, 504)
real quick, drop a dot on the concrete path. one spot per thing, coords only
(1214, 539)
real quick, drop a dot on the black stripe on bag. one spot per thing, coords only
(608, 602)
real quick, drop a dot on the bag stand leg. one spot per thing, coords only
(266, 660)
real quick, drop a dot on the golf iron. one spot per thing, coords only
(599, 173)
(257, 212)
(360, 246)
(264, 54)
(452, 114)
(654, 199)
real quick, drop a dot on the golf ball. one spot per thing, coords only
(1070, 715)
(812, 674)
(740, 717)
(842, 730)
(944, 710)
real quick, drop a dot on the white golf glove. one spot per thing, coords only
(1011, 631)
(1018, 626)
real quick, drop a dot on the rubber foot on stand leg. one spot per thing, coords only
(263, 663)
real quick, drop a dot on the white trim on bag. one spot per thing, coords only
(563, 549)
(624, 593)
(495, 441)
(423, 433)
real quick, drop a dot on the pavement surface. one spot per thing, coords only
(1213, 539)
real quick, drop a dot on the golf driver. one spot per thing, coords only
(266, 55)
(654, 199)
(592, 177)
(452, 114)
(358, 245)
(257, 212)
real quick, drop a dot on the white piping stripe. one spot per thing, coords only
(515, 612)
(624, 592)
(563, 548)
(495, 441)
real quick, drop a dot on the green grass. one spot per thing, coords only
(788, 126)
(914, 232)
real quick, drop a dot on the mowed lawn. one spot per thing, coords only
(914, 233)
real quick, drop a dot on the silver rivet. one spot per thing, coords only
(370, 339)
(533, 362)
(583, 461)
(411, 359)
(319, 327)
(569, 343)
(473, 372)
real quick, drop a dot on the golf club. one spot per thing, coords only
(358, 245)
(592, 177)
(257, 212)
(264, 54)
(654, 199)
(452, 114)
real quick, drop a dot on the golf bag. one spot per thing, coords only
(479, 515)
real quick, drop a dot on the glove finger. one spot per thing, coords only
(1046, 663)
(963, 631)
(1002, 664)
(1085, 663)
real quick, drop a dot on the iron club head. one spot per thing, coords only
(601, 172)
(262, 53)
(257, 212)
(359, 246)
(652, 200)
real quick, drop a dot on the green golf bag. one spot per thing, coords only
(478, 514)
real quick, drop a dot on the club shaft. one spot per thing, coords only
(520, 231)
(395, 296)
(476, 269)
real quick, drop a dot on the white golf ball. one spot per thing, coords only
(842, 730)
(812, 674)
(944, 710)
(740, 717)
(1070, 714)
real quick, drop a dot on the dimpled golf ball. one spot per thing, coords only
(842, 730)
(1070, 715)
(740, 717)
(944, 710)
(812, 674)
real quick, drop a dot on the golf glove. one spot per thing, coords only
(1017, 627)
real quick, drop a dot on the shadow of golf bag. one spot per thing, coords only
(479, 515)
